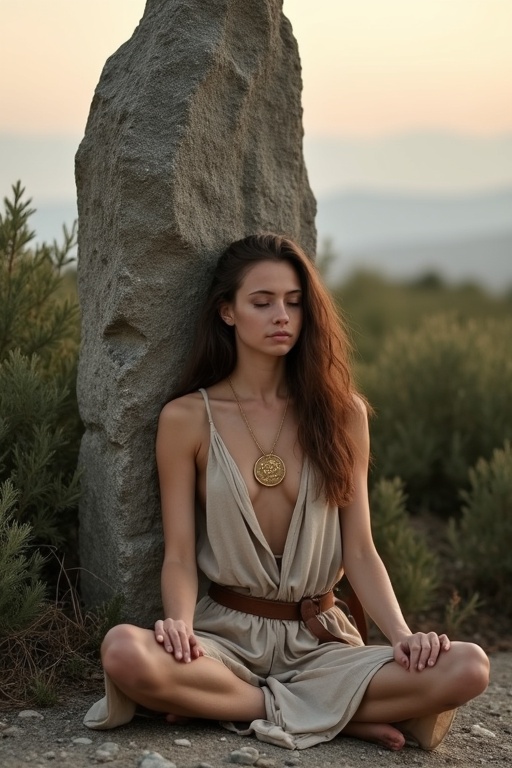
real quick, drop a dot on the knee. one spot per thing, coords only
(122, 653)
(469, 667)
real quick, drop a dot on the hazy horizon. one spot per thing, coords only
(397, 163)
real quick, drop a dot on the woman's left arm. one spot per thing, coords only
(366, 571)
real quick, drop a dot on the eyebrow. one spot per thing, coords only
(272, 293)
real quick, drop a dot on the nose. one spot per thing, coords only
(281, 315)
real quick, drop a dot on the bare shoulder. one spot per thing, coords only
(359, 415)
(182, 408)
(183, 417)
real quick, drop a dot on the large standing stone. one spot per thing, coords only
(194, 139)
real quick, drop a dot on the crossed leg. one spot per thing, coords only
(152, 677)
(400, 696)
(205, 688)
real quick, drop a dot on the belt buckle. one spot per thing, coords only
(309, 607)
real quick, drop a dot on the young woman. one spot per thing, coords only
(263, 458)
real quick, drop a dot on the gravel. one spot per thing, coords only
(481, 735)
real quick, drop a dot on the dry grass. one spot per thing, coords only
(58, 649)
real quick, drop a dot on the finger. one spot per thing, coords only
(415, 648)
(444, 642)
(171, 638)
(173, 644)
(435, 647)
(400, 656)
(180, 643)
(159, 631)
(168, 643)
(195, 648)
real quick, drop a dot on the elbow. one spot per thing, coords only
(360, 558)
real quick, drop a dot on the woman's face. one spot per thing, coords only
(267, 310)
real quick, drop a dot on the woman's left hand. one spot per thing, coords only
(420, 650)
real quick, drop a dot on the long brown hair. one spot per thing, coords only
(318, 372)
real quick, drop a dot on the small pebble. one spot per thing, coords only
(107, 752)
(203, 765)
(265, 762)
(13, 730)
(222, 738)
(3, 725)
(50, 755)
(292, 761)
(478, 730)
(154, 760)
(82, 740)
(25, 714)
(183, 742)
(244, 756)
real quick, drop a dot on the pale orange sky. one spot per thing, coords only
(370, 67)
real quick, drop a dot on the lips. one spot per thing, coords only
(281, 335)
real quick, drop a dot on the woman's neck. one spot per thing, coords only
(260, 382)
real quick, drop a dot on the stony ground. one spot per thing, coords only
(481, 735)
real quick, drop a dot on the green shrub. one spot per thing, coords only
(459, 613)
(32, 318)
(21, 590)
(39, 424)
(36, 451)
(482, 538)
(442, 400)
(377, 306)
(412, 566)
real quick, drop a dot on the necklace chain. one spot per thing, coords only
(264, 453)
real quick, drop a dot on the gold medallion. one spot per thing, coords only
(269, 470)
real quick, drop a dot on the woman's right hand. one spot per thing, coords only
(178, 639)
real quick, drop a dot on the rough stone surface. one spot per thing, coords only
(194, 139)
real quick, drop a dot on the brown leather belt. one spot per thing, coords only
(268, 609)
(305, 610)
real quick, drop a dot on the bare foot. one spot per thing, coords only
(379, 733)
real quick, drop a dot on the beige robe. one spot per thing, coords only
(311, 689)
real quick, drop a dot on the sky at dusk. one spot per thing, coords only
(371, 68)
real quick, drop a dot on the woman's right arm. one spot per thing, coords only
(177, 444)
